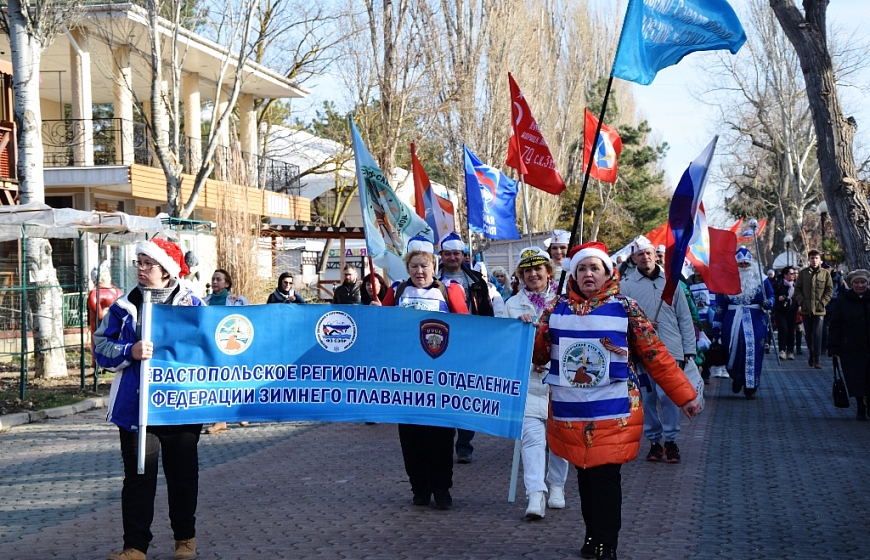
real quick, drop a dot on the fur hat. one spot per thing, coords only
(859, 273)
(591, 249)
(167, 254)
(418, 243)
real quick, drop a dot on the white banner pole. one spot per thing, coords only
(144, 374)
(515, 472)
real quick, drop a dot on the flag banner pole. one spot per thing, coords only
(515, 472)
(578, 213)
(526, 207)
(753, 224)
(373, 280)
(144, 372)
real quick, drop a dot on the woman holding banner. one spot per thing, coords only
(589, 337)
(118, 348)
(373, 283)
(536, 271)
(427, 450)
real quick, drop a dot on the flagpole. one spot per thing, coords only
(579, 212)
(525, 206)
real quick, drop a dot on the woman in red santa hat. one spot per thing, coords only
(589, 336)
(117, 347)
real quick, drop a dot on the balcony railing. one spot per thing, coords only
(111, 141)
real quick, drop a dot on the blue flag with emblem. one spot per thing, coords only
(330, 363)
(491, 198)
(659, 33)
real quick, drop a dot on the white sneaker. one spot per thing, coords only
(557, 497)
(537, 506)
(781, 355)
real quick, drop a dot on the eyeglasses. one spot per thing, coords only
(144, 265)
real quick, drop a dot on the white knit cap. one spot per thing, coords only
(591, 249)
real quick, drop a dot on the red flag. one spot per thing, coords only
(608, 148)
(421, 181)
(745, 233)
(722, 276)
(536, 164)
(736, 226)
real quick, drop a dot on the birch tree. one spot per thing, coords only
(31, 29)
(846, 195)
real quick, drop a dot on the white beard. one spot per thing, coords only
(750, 284)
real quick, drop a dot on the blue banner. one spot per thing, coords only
(659, 33)
(338, 363)
(491, 199)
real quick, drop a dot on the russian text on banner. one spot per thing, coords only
(338, 364)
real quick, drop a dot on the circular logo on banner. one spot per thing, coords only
(234, 334)
(336, 331)
(584, 364)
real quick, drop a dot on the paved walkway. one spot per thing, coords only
(783, 477)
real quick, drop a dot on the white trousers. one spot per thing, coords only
(534, 448)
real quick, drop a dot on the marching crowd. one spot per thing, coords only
(611, 362)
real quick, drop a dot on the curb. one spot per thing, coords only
(18, 419)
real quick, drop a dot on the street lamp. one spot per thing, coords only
(822, 209)
(788, 239)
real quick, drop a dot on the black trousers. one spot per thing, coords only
(813, 334)
(181, 467)
(428, 455)
(785, 327)
(601, 502)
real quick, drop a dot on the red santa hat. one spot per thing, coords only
(166, 253)
(580, 252)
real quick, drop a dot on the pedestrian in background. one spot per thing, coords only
(536, 270)
(494, 294)
(813, 290)
(785, 311)
(374, 283)
(427, 450)
(849, 337)
(590, 336)
(221, 284)
(348, 292)
(118, 347)
(285, 293)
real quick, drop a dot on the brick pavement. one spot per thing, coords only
(783, 476)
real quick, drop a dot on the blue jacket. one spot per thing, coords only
(113, 344)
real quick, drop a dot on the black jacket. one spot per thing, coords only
(849, 338)
(788, 305)
(478, 296)
(345, 294)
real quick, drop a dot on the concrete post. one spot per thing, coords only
(192, 121)
(82, 107)
(123, 92)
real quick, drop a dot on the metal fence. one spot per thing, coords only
(111, 141)
(17, 308)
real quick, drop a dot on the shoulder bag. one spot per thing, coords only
(839, 392)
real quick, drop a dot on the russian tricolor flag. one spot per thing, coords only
(681, 217)
(437, 211)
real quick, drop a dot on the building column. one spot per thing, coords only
(123, 91)
(82, 106)
(192, 121)
(248, 137)
(222, 152)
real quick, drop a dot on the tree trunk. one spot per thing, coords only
(46, 304)
(845, 194)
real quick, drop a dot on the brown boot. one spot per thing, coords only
(128, 554)
(185, 549)
(216, 428)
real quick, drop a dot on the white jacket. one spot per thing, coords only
(675, 322)
(538, 397)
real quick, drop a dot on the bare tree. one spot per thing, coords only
(846, 195)
(31, 29)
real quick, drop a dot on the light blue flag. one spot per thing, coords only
(659, 33)
(491, 198)
(389, 224)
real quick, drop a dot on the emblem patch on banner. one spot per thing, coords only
(336, 331)
(584, 364)
(434, 336)
(234, 334)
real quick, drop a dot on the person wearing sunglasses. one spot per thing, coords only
(285, 293)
